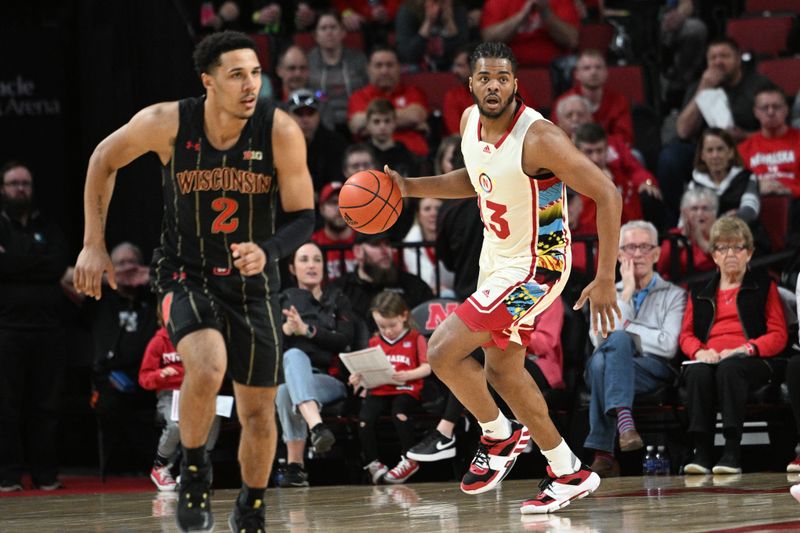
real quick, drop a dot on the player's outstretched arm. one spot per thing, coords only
(152, 129)
(297, 200)
(455, 184)
(547, 148)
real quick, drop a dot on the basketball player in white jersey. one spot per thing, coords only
(518, 164)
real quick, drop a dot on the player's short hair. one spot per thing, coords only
(208, 51)
(380, 106)
(495, 50)
(590, 133)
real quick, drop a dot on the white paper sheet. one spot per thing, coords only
(372, 364)
(224, 406)
(714, 107)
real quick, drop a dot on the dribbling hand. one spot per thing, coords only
(602, 298)
(92, 262)
(249, 258)
(399, 180)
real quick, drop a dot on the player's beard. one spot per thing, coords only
(497, 113)
(380, 276)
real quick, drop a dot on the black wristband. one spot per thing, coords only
(290, 236)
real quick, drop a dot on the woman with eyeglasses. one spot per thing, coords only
(732, 330)
(698, 214)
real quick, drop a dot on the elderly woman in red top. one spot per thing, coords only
(732, 326)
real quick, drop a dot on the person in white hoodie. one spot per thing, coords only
(635, 357)
(719, 167)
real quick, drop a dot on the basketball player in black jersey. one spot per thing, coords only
(227, 157)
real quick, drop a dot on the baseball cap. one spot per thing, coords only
(374, 238)
(329, 190)
(301, 98)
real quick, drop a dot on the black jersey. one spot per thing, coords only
(213, 198)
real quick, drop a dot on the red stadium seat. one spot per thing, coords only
(762, 36)
(433, 84)
(305, 40)
(262, 50)
(629, 81)
(783, 72)
(774, 217)
(538, 85)
(597, 36)
(772, 6)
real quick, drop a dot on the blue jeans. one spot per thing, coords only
(615, 374)
(303, 385)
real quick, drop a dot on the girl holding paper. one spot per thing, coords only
(406, 349)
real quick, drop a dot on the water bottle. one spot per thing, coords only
(649, 462)
(663, 461)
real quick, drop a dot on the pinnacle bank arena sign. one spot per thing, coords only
(19, 97)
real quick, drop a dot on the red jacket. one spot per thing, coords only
(159, 354)
(531, 44)
(406, 353)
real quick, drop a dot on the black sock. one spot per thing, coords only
(195, 456)
(249, 496)
(733, 442)
(161, 461)
(704, 447)
(317, 427)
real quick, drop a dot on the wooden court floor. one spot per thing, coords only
(746, 503)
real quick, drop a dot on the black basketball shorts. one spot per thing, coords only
(248, 317)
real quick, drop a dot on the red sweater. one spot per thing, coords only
(405, 353)
(614, 112)
(402, 97)
(777, 158)
(159, 354)
(703, 262)
(531, 44)
(727, 331)
(333, 257)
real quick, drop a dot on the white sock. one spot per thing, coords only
(499, 428)
(562, 460)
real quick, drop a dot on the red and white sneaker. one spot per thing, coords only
(400, 473)
(794, 466)
(163, 479)
(557, 492)
(493, 460)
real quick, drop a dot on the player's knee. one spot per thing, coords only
(206, 377)
(259, 421)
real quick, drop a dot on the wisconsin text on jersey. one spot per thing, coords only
(225, 179)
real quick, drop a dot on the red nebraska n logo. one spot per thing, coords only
(437, 313)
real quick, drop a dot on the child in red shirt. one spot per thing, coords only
(162, 371)
(406, 349)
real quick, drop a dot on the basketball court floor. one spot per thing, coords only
(746, 503)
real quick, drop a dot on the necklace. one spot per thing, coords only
(729, 295)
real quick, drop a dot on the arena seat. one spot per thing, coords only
(433, 84)
(595, 36)
(628, 80)
(538, 84)
(774, 216)
(783, 73)
(763, 36)
(772, 6)
(263, 50)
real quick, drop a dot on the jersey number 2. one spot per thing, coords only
(225, 222)
(497, 224)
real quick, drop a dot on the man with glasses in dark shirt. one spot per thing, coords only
(33, 257)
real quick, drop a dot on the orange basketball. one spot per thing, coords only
(370, 201)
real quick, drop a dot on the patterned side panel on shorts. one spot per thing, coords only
(552, 238)
(523, 298)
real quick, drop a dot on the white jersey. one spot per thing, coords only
(525, 218)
